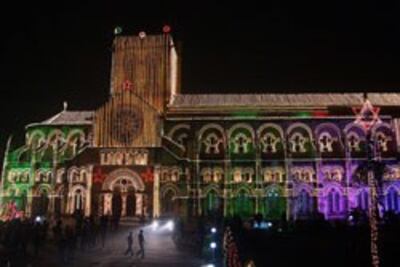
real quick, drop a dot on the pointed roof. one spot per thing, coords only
(67, 117)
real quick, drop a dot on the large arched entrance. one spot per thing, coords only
(123, 194)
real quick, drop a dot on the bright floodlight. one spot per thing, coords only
(38, 219)
(170, 225)
(269, 224)
(213, 245)
(154, 225)
(213, 230)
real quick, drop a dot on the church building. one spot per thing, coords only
(151, 150)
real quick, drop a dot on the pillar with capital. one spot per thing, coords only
(156, 192)
(139, 204)
(124, 197)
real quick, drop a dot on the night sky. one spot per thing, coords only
(54, 53)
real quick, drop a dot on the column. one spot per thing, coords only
(123, 212)
(88, 200)
(28, 208)
(52, 198)
(156, 192)
(107, 203)
(139, 204)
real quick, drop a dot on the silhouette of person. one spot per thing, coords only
(141, 244)
(130, 245)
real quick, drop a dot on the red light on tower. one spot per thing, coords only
(166, 29)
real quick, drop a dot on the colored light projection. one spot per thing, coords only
(29, 169)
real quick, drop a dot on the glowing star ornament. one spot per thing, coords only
(98, 176)
(148, 176)
(368, 115)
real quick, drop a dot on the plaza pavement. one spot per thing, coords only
(160, 251)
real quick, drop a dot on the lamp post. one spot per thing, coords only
(368, 117)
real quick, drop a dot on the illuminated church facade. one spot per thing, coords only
(152, 151)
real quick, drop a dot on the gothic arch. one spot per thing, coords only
(212, 187)
(71, 171)
(270, 125)
(127, 174)
(74, 132)
(390, 187)
(77, 187)
(243, 188)
(35, 133)
(169, 187)
(303, 187)
(353, 127)
(328, 125)
(332, 185)
(243, 126)
(42, 189)
(212, 126)
(276, 188)
(295, 125)
(377, 126)
(176, 128)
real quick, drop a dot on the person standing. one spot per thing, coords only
(141, 244)
(130, 245)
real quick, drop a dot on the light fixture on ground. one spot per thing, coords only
(154, 225)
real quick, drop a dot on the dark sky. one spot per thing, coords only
(54, 53)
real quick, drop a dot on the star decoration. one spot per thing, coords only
(98, 176)
(147, 175)
(367, 115)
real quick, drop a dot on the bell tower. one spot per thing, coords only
(148, 66)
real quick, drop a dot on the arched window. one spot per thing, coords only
(325, 141)
(363, 200)
(78, 200)
(353, 142)
(174, 174)
(241, 143)
(169, 202)
(392, 200)
(274, 205)
(212, 202)
(212, 144)
(217, 175)
(243, 204)
(334, 206)
(237, 175)
(297, 143)
(206, 175)
(269, 143)
(305, 203)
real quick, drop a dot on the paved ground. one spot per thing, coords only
(160, 251)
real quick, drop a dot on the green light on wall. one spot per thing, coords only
(245, 114)
(304, 115)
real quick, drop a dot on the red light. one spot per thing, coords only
(320, 114)
(166, 29)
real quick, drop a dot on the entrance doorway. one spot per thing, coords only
(123, 194)
(131, 203)
(116, 206)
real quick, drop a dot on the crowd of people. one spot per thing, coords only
(22, 240)
(317, 242)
